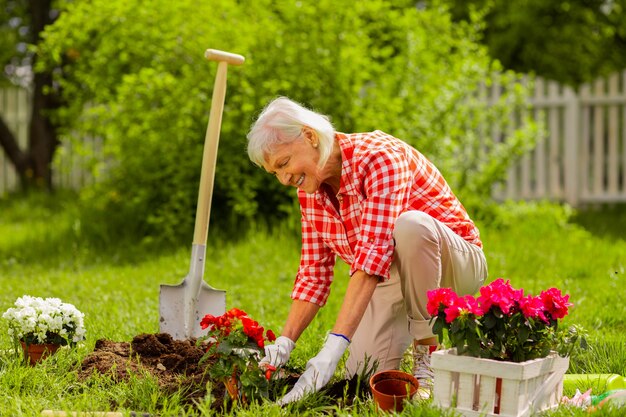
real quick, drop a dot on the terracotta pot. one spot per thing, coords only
(37, 352)
(232, 387)
(391, 388)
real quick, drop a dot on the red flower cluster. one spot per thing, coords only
(549, 305)
(236, 319)
(234, 343)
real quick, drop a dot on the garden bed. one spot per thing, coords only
(173, 363)
(175, 366)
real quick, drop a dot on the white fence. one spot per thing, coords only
(581, 160)
(68, 169)
(15, 111)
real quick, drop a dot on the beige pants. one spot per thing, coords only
(427, 255)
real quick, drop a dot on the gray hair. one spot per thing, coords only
(281, 122)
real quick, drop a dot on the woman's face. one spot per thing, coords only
(295, 163)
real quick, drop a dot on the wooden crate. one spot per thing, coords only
(485, 387)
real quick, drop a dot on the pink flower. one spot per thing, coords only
(501, 294)
(533, 308)
(462, 306)
(494, 324)
(556, 305)
(440, 298)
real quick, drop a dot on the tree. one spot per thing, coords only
(22, 26)
(135, 77)
(571, 41)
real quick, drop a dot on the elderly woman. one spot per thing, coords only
(384, 209)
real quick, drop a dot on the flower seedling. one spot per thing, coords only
(235, 343)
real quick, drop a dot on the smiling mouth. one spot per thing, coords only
(300, 181)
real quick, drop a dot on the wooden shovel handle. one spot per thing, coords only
(211, 141)
(230, 58)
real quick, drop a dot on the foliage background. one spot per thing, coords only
(571, 41)
(133, 74)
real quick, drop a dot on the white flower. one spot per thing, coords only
(38, 320)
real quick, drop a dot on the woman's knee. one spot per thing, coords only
(413, 227)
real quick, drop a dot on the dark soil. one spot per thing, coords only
(174, 363)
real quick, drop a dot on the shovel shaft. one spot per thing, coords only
(209, 157)
(192, 292)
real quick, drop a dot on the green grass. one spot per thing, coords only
(44, 253)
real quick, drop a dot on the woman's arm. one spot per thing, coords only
(358, 295)
(321, 368)
(300, 316)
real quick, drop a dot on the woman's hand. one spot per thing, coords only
(300, 316)
(319, 369)
(277, 354)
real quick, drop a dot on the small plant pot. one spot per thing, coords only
(391, 388)
(233, 388)
(35, 353)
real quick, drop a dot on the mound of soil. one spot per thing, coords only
(174, 363)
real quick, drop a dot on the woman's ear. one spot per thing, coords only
(310, 135)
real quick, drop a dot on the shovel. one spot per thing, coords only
(182, 306)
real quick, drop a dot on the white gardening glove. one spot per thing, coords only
(277, 354)
(319, 369)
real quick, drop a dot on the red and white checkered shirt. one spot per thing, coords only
(381, 177)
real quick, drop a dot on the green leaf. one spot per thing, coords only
(489, 321)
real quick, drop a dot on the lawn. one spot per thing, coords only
(44, 253)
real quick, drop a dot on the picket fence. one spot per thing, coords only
(68, 169)
(581, 159)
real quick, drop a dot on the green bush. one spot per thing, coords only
(134, 75)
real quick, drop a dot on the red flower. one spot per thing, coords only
(235, 312)
(270, 335)
(235, 342)
(230, 320)
(269, 370)
(207, 321)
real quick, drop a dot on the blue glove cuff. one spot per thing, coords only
(343, 336)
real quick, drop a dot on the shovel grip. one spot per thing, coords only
(230, 58)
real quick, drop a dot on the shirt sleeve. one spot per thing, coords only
(386, 179)
(315, 273)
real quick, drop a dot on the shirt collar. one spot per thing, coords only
(346, 186)
(346, 144)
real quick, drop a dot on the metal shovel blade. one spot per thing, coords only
(182, 306)
(175, 309)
